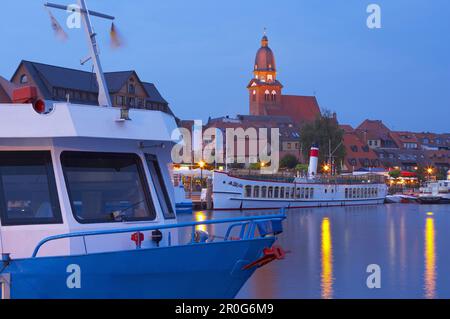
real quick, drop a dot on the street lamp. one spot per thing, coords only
(201, 164)
(429, 172)
(326, 168)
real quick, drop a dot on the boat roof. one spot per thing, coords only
(74, 120)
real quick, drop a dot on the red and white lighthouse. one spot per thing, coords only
(313, 161)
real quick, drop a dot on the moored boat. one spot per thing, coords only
(259, 191)
(86, 210)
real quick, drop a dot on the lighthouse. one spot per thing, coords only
(313, 160)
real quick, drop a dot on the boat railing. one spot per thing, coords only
(291, 177)
(266, 225)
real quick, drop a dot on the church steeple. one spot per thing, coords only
(264, 88)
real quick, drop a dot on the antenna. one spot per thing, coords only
(103, 92)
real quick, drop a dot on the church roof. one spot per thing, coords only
(301, 109)
(265, 59)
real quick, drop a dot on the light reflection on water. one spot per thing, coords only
(327, 260)
(332, 247)
(430, 259)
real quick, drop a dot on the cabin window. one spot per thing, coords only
(160, 186)
(28, 193)
(306, 192)
(311, 192)
(270, 192)
(277, 191)
(248, 191)
(281, 192)
(256, 191)
(346, 193)
(107, 187)
(263, 192)
(292, 192)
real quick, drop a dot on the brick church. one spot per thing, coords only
(265, 91)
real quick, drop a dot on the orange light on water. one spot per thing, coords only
(200, 217)
(327, 260)
(430, 259)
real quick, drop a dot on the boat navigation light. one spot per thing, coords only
(39, 106)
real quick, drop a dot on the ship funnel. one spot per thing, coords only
(313, 161)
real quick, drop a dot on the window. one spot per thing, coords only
(256, 191)
(282, 192)
(266, 95)
(269, 77)
(248, 191)
(160, 186)
(288, 192)
(277, 192)
(28, 193)
(119, 100)
(311, 192)
(306, 192)
(263, 191)
(346, 193)
(274, 95)
(270, 192)
(107, 187)
(131, 88)
(254, 95)
(23, 79)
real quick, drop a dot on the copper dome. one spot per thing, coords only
(265, 60)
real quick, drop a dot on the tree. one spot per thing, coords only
(288, 161)
(395, 173)
(325, 132)
(302, 168)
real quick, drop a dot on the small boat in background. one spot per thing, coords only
(437, 192)
(400, 198)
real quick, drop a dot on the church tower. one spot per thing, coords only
(264, 89)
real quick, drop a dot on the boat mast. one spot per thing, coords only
(103, 92)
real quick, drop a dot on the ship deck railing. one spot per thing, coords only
(290, 177)
(249, 227)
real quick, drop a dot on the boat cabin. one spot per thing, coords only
(79, 168)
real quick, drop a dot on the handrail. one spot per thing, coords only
(153, 227)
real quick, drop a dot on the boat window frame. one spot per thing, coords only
(151, 159)
(142, 177)
(52, 189)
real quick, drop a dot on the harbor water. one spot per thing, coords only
(333, 251)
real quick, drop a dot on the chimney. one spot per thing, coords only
(313, 161)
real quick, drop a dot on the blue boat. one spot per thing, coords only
(87, 206)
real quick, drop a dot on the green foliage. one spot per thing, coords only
(302, 167)
(288, 161)
(323, 130)
(255, 165)
(395, 173)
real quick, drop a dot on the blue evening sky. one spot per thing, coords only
(200, 53)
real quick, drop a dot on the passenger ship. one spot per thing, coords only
(259, 191)
(87, 210)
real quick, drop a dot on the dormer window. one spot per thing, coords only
(269, 77)
(23, 79)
